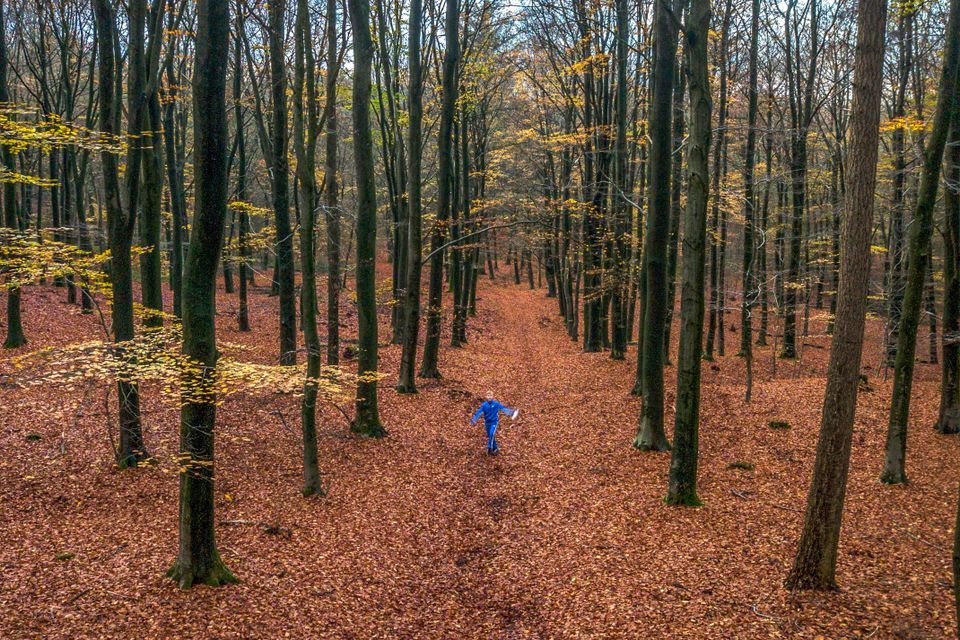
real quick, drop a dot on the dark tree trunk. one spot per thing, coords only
(949, 419)
(198, 559)
(367, 421)
(306, 127)
(331, 203)
(120, 232)
(749, 200)
(411, 303)
(651, 434)
(280, 185)
(429, 367)
(921, 229)
(682, 487)
(15, 337)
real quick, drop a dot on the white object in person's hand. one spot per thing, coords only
(516, 412)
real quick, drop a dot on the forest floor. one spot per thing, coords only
(564, 535)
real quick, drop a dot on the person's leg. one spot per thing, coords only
(492, 434)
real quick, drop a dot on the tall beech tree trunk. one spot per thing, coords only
(367, 421)
(330, 195)
(243, 228)
(280, 184)
(151, 276)
(618, 298)
(429, 366)
(815, 564)
(749, 198)
(682, 487)
(921, 229)
(178, 199)
(198, 559)
(15, 336)
(120, 226)
(411, 302)
(651, 434)
(949, 420)
(306, 130)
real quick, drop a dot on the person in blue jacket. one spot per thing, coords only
(491, 410)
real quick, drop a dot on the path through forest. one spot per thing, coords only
(423, 535)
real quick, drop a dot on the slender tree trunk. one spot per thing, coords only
(280, 184)
(15, 336)
(306, 126)
(921, 229)
(651, 434)
(367, 421)
(429, 366)
(682, 488)
(411, 304)
(330, 190)
(949, 419)
(174, 180)
(749, 198)
(120, 231)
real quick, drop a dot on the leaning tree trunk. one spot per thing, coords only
(949, 419)
(815, 564)
(198, 559)
(367, 421)
(682, 487)
(651, 434)
(894, 471)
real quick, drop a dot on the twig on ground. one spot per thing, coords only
(760, 614)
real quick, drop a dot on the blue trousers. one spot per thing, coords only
(491, 437)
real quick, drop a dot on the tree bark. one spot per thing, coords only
(815, 564)
(367, 421)
(921, 229)
(682, 487)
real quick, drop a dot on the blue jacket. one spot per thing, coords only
(490, 410)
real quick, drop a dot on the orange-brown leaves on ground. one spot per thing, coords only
(422, 535)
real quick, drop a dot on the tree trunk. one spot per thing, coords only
(411, 303)
(15, 337)
(330, 190)
(279, 182)
(815, 564)
(198, 559)
(429, 367)
(367, 421)
(651, 434)
(682, 488)
(949, 419)
(921, 229)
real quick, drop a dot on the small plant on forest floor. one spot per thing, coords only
(33, 437)
(741, 464)
(65, 555)
(779, 424)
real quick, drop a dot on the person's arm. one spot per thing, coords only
(507, 410)
(477, 415)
